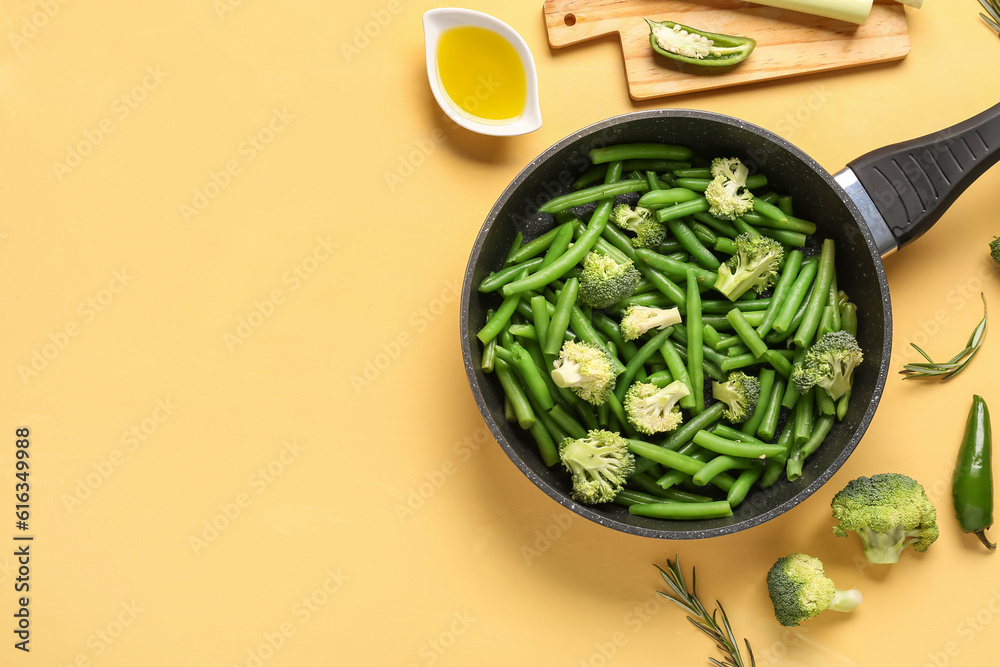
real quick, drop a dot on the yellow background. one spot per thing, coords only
(232, 329)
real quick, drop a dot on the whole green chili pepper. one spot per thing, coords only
(697, 47)
(972, 484)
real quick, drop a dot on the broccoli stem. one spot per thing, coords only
(845, 600)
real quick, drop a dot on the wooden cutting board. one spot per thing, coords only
(788, 43)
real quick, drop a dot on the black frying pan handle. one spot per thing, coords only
(912, 183)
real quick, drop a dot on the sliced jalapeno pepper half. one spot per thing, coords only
(972, 484)
(697, 47)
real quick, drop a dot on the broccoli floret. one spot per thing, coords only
(889, 512)
(586, 370)
(637, 320)
(740, 392)
(727, 195)
(829, 363)
(604, 281)
(995, 249)
(655, 410)
(754, 266)
(598, 463)
(649, 232)
(800, 590)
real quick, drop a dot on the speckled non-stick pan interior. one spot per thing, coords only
(816, 197)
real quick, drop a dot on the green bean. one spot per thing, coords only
(766, 378)
(524, 331)
(800, 452)
(682, 209)
(655, 199)
(663, 284)
(725, 245)
(680, 511)
(531, 377)
(640, 151)
(746, 479)
(675, 460)
(681, 496)
(711, 369)
(810, 321)
(632, 497)
(519, 403)
(793, 263)
(745, 228)
(769, 423)
(804, 416)
(695, 354)
(660, 378)
(567, 422)
(559, 320)
(514, 246)
(693, 245)
(723, 227)
(739, 350)
(791, 397)
(559, 244)
(647, 350)
(746, 332)
(710, 335)
(758, 219)
(674, 269)
(739, 361)
(612, 331)
(547, 447)
(784, 202)
(769, 210)
(796, 296)
(694, 172)
(678, 369)
(719, 465)
(533, 247)
(695, 184)
(849, 318)
(834, 305)
(779, 362)
(774, 467)
(592, 194)
(721, 445)
(654, 164)
(753, 317)
(540, 317)
(498, 279)
(502, 316)
(684, 434)
(612, 242)
(724, 430)
(729, 341)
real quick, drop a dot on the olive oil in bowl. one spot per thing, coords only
(481, 72)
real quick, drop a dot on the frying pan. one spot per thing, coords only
(877, 204)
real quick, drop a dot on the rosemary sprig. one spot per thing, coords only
(708, 623)
(956, 364)
(992, 8)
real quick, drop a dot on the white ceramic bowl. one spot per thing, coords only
(437, 21)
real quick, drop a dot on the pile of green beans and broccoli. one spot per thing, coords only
(677, 338)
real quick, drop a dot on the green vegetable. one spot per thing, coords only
(740, 392)
(956, 364)
(637, 320)
(972, 482)
(651, 409)
(889, 512)
(800, 590)
(598, 463)
(829, 363)
(605, 282)
(586, 369)
(649, 232)
(727, 193)
(697, 47)
(754, 266)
